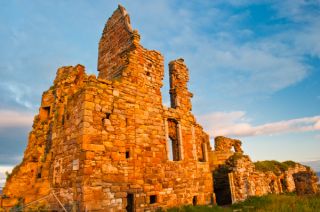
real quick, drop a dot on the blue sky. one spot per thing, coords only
(254, 65)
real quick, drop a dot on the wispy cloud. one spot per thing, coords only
(11, 118)
(237, 124)
(236, 58)
(19, 93)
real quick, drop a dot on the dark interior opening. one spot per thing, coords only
(108, 115)
(283, 185)
(153, 199)
(34, 159)
(130, 203)
(39, 173)
(272, 185)
(127, 154)
(221, 186)
(45, 112)
(194, 200)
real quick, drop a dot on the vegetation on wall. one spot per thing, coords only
(274, 166)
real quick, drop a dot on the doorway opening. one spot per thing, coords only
(221, 186)
(194, 200)
(130, 202)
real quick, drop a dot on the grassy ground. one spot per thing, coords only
(269, 203)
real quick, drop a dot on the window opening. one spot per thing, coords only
(173, 141)
(153, 199)
(39, 173)
(203, 153)
(45, 112)
(127, 154)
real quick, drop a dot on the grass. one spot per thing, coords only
(273, 166)
(268, 203)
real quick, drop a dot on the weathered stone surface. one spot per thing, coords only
(108, 143)
(305, 182)
(236, 178)
(225, 144)
(96, 141)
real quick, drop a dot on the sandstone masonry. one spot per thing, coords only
(107, 143)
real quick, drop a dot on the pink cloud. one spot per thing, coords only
(11, 118)
(237, 124)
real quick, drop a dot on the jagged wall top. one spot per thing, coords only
(116, 41)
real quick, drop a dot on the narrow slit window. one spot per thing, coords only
(174, 153)
(39, 173)
(171, 142)
(203, 153)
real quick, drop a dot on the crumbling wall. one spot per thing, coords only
(117, 39)
(107, 140)
(225, 144)
(224, 148)
(52, 141)
(305, 182)
(104, 143)
(131, 158)
(179, 94)
(244, 179)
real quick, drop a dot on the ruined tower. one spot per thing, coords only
(179, 77)
(108, 143)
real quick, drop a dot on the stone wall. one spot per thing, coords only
(236, 177)
(109, 144)
(305, 182)
(105, 143)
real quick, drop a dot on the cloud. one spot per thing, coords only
(235, 58)
(237, 124)
(11, 118)
(3, 170)
(19, 93)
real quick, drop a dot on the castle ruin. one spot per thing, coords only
(107, 143)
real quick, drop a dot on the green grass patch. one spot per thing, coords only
(269, 203)
(274, 166)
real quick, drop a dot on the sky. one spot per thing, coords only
(254, 65)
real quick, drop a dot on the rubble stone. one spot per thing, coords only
(107, 143)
